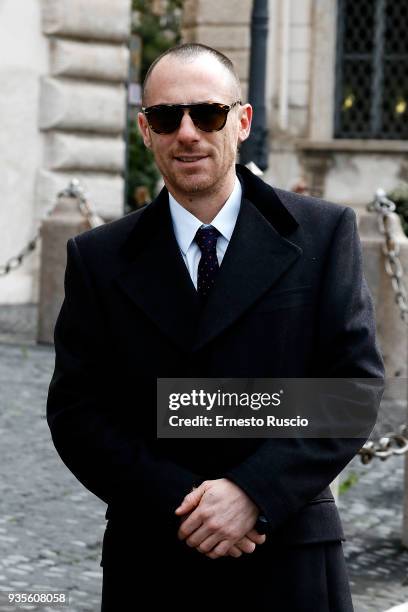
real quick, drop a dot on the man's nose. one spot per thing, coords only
(187, 129)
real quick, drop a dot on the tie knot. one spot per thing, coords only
(206, 238)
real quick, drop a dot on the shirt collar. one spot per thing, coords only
(186, 224)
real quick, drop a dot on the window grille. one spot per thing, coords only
(372, 69)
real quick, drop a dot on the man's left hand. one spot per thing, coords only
(221, 514)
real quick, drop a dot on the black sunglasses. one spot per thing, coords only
(206, 116)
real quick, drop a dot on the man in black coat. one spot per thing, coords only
(220, 276)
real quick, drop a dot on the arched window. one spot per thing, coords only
(372, 69)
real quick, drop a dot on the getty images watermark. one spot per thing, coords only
(223, 399)
(274, 408)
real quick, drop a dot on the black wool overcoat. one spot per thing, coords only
(289, 301)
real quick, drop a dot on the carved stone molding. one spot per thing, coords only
(197, 12)
(87, 19)
(86, 60)
(66, 104)
(63, 151)
(82, 106)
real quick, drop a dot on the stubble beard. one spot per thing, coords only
(208, 184)
(190, 185)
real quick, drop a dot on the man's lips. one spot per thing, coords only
(189, 159)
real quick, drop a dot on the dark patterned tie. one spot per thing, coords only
(206, 238)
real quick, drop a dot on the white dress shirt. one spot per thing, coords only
(186, 225)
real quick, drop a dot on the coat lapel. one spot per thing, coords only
(156, 278)
(256, 257)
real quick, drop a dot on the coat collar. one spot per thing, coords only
(156, 278)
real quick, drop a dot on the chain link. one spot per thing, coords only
(74, 190)
(15, 262)
(390, 444)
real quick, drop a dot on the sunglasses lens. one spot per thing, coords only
(209, 117)
(164, 120)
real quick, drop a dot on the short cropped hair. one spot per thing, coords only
(188, 51)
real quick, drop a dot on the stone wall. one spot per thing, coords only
(23, 58)
(64, 66)
(83, 100)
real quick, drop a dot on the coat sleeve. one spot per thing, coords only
(90, 432)
(285, 474)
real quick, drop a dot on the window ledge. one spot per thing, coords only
(354, 145)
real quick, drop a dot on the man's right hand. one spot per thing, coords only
(247, 544)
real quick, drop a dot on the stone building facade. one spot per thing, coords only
(63, 68)
(301, 93)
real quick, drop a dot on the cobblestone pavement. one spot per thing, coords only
(371, 511)
(51, 528)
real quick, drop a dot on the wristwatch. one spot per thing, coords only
(262, 524)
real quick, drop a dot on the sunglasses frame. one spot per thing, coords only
(224, 107)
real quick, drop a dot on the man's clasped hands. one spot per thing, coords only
(218, 520)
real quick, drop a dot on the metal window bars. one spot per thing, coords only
(371, 98)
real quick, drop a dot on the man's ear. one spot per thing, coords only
(245, 119)
(144, 130)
